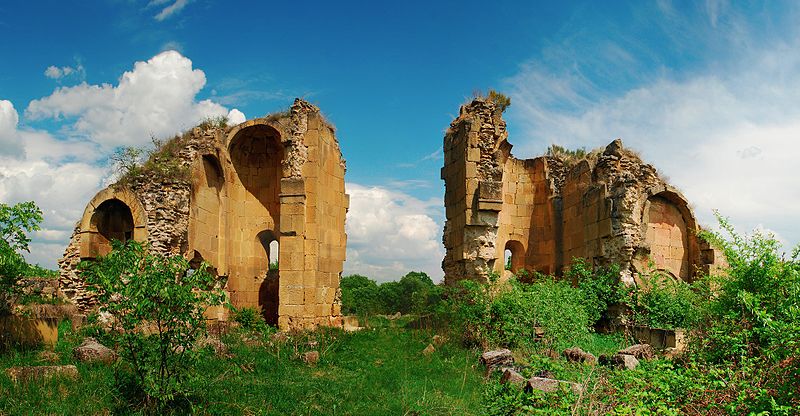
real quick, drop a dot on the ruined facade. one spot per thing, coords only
(608, 207)
(272, 181)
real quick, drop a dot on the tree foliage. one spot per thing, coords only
(413, 293)
(16, 223)
(156, 305)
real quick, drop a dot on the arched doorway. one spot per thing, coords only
(514, 257)
(270, 286)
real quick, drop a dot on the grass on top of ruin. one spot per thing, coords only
(374, 371)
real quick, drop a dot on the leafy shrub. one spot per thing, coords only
(509, 314)
(359, 295)
(601, 288)
(663, 302)
(156, 305)
(249, 318)
(755, 313)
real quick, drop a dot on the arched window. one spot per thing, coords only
(113, 220)
(514, 256)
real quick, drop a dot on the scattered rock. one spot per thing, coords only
(395, 316)
(576, 354)
(279, 337)
(428, 350)
(620, 361)
(218, 346)
(311, 357)
(439, 340)
(640, 351)
(549, 385)
(31, 373)
(91, 351)
(496, 359)
(351, 324)
(512, 376)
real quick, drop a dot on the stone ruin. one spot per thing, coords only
(608, 207)
(276, 180)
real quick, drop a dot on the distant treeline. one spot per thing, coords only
(414, 293)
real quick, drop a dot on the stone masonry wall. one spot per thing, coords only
(609, 208)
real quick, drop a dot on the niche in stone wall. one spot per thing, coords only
(111, 220)
(667, 237)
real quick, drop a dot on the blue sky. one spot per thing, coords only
(709, 92)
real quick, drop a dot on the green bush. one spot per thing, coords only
(508, 314)
(249, 319)
(663, 302)
(601, 287)
(754, 314)
(156, 307)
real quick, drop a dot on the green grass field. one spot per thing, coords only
(376, 371)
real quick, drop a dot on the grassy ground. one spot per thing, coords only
(376, 371)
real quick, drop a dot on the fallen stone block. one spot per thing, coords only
(620, 361)
(91, 351)
(640, 351)
(580, 356)
(496, 359)
(549, 385)
(428, 350)
(512, 376)
(33, 373)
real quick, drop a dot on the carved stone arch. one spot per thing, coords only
(517, 249)
(108, 210)
(669, 233)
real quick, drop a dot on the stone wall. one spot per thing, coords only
(608, 207)
(277, 179)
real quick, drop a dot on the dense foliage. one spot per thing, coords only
(413, 293)
(514, 314)
(16, 222)
(156, 305)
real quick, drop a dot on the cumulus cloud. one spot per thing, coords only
(61, 171)
(155, 98)
(9, 138)
(236, 117)
(56, 174)
(390, 233)
(727, 136)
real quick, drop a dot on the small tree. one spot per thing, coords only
(156, 304)
(16, 222)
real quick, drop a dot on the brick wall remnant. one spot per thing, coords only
(609, 207)
(278, 178)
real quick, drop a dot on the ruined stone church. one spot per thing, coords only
(608, 207)
(276, 181)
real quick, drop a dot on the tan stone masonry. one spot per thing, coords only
(278, 178)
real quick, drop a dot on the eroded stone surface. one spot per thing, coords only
(33, 373)
(609, 207)
(278, 178)
(91, 351)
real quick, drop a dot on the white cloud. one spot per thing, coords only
(9, 139)
(156, 97)
(236, 117)
(728, 137)
(390, 233)
(170, 10)
(62, 171)
(60, 176)
(57, 73)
